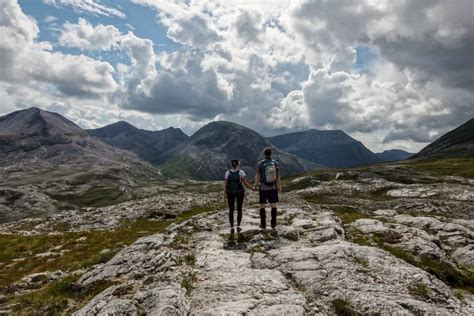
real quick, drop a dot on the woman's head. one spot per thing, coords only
(267, 151)
(234, 163)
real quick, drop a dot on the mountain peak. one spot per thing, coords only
(37, 122)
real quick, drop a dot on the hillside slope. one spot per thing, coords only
(207, 154)
(329, 148)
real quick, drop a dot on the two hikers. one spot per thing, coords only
(268, 183)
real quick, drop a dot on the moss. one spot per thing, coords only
(319, 198)
(347, 214)
(94, 197)
(58, 298)
(343, 308)
(461, 167)
(361, 261)
(79, 254)
(188, 282)
(420, 290)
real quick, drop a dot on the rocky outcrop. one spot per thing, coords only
(308, 268)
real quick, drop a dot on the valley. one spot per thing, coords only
(89, 228)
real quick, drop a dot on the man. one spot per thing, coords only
(234, 190)
(269, 185)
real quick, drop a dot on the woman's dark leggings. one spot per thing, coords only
(231, 197)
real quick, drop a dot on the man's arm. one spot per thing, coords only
(257, 177)
(279, 179)
(247, 183)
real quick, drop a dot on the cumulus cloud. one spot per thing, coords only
(272, 65)
(87, 6)
(26, 61)
(87, 37)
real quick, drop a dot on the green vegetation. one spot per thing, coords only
(444, 271)
(56, 298)
(188, 282)
(461, 167)
(361, 261)
(343, 308)
(420, 290)
(95, 197)
(188, 259)
(81, 250)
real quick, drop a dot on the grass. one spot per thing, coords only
(80, 254)
(343, 308)
(461, 167)
(56, 298)
(361, 261)
(347, 214)
(94, 197)
(460, 279)
(420, 290)
(188, 282)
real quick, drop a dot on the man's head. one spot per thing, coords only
(267, 151)
(234, 163)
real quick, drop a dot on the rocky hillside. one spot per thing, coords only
(456, 143)
(207, 153)
(328, 148)
(393, 155)
(46, 160)
(148, 145)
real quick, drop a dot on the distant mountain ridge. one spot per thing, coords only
(148, 145)
(329, 148)
(393, 155)
(455, 143)
(208, 152)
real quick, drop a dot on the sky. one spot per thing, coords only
(393, 74)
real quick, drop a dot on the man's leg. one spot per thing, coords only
(273, 203)
(263, 220)
(274, 215)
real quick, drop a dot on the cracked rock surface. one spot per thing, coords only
(304, 270)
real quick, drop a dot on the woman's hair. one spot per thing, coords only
(267, 151)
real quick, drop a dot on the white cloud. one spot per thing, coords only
(88, 6)
(87, 37)
(25, 61)
(271, 65)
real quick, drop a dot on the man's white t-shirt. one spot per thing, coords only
(241, 174)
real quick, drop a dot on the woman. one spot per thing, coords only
(234, 191)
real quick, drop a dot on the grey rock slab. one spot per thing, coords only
(464, 256)
(227, 283)
(163, 299)
(370, 278)
(144, 256)
(367, 225)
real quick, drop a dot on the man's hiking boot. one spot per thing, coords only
(239, 229)
(274, 232)
(232, 230)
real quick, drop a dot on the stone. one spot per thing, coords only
(367, 226)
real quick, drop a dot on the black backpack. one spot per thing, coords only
(234, 183)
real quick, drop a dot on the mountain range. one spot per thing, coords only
(210, 149)
(148, 145)
(327, 148)
(48, 162)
